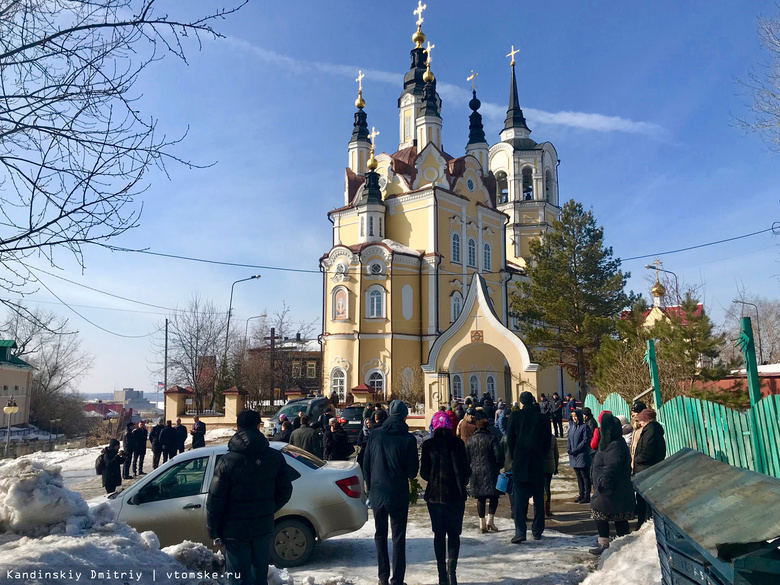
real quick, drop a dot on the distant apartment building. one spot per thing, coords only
(15, 384)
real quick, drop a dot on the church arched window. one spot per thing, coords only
(456, 248)
(338, 383)
(375, 302)
(376, 381)
(502, 187)
(457, 386)
(380, 228)
(487, 258)
(549, 187)
(474, 385)
(528, 184)
(456, 305)
(472, 252)
(371, 226)
(490, 386)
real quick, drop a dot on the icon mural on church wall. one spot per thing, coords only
(341, 304)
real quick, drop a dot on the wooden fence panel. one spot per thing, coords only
(722, 433)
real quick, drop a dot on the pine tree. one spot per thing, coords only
(573, 294)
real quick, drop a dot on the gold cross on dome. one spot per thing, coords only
(473, 79)
(360, 80)
(512, 54)
(428, 50)
(418, 12)
(373, 135)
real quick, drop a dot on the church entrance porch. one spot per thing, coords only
(477, 353)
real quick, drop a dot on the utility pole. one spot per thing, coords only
(272, 338)
(165, 370)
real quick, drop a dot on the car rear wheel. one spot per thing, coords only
(293, 543)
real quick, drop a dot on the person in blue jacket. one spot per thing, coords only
(578, 448)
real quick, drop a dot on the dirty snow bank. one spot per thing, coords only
(630, 560)
(50, 536)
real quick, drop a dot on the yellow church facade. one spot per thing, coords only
(426, 252)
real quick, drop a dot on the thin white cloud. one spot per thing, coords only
(580, 120)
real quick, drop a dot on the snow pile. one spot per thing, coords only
(34, 502)
(279, 577)
(339, 580)
(630, 560)
(213, 436)
(195, 556)
(67, 460)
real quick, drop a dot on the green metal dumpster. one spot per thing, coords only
(715, 524)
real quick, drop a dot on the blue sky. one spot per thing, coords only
(639, 100)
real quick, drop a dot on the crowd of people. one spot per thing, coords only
(478, 449)
(164, 439)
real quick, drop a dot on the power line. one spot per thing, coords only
(771, 229)
(43, 284)
(775, 228)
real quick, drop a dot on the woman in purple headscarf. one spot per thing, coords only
(446, 469)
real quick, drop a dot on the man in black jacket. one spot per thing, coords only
(251, 483)
(307, 438)
(528, 441)
(181, 436)
(139, 438)
(169, 441)
(154, 439)
(648, 450)
(557, 414)
(389, 463)
(128, 447)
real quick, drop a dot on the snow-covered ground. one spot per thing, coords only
(44, 526)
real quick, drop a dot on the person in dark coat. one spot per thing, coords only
(181, 436)
(556, 405)
(528, 440)
(296, 423)
(251, 483)
(128, 447)
(550, 469)
(368, 411)
(111, 460)
(445, 467)
(578, 448)
(336, 445)
(544, 406)
(489, 407)
(307, 438)
(362, 440)
(139, 439)
(649, 448)
(571, 406)
(284, 434)
(389, 464)
(589, 419)
(323, 422)
(485, 459)
(613, 493)
(198, 433)
(154, 439)
(169, 441)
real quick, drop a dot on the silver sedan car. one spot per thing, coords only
(327, 501)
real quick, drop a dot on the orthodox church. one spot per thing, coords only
(427, 249)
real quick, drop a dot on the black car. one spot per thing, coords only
(312, 407)
(351, 418)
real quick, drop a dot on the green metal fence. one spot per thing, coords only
(720, 432)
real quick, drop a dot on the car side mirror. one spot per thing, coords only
(134, 500)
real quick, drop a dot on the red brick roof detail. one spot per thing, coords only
(360, 388)
(457, 166)
(179, 390)
(406, 155)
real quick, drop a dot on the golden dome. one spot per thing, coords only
(658, 289)
(360, 102)
(428, 75)
(372, 162)
(418, 38)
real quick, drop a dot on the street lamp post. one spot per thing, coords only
(246, 329)
(51, 431)
(758, 328)
(227, 329)
(9, 410)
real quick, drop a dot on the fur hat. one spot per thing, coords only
(647, 415)
(586, 411)
(441, 420)
(638, 406)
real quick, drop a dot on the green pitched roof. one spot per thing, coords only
(8, 343)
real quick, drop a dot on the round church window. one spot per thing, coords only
(470, 185)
